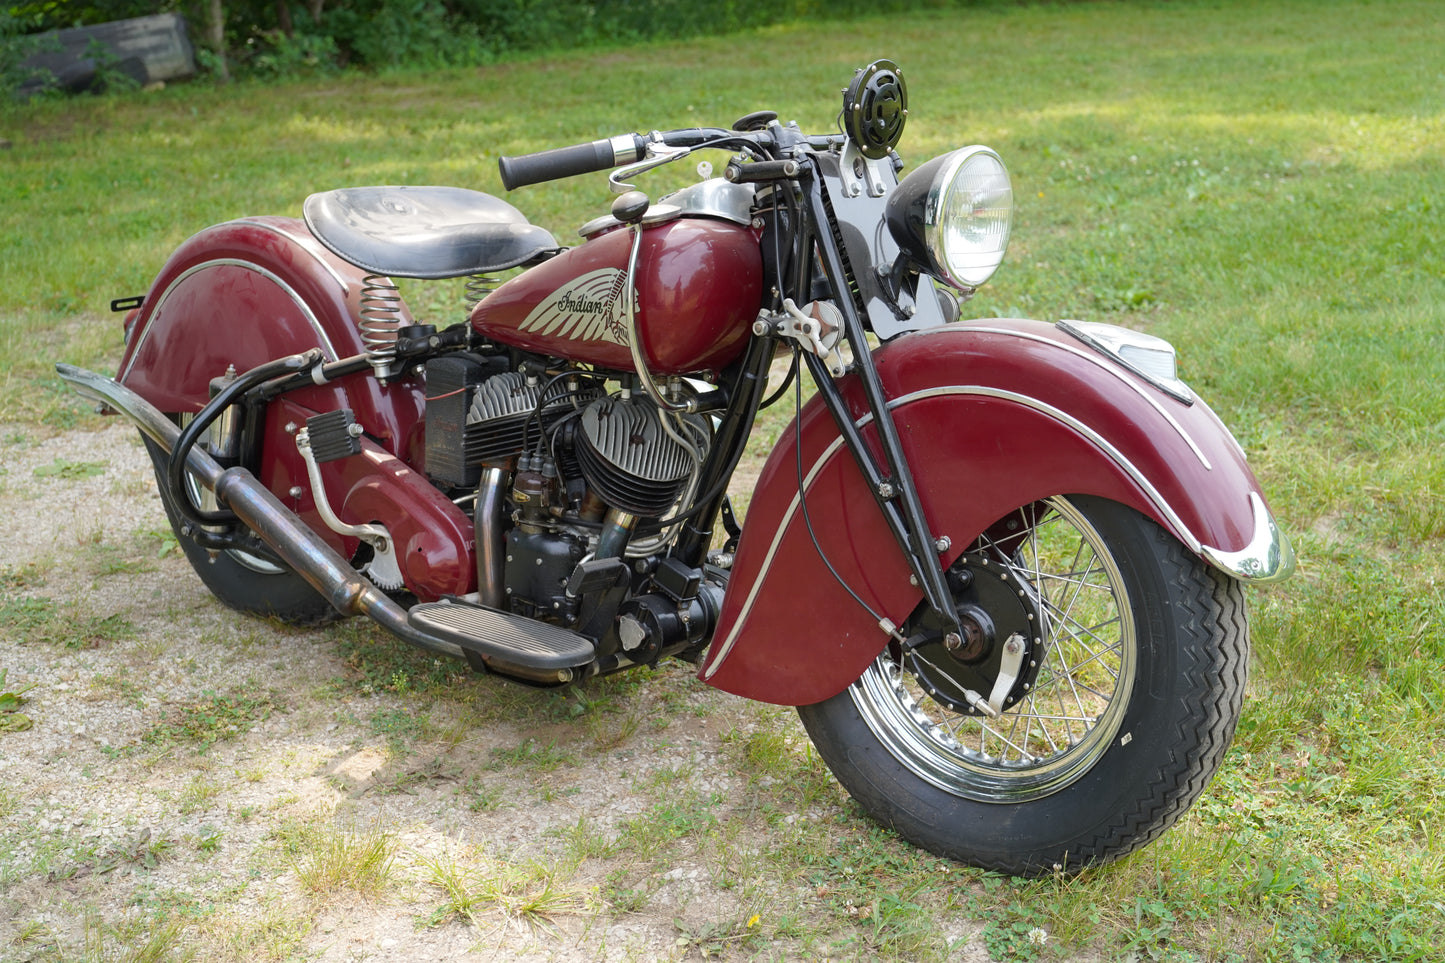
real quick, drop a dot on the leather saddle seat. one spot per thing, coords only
(424, 232)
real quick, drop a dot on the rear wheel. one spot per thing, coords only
(1116, 662)
(247, 582)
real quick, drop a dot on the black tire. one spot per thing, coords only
(240, 580)
(1126, 717)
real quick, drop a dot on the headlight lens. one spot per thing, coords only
(953, 215)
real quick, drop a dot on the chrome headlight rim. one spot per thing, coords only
(936, 224)
(926, 223)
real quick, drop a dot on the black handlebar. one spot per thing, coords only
(601, 155)
(548, 165)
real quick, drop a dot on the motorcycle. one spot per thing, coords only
(997, 565)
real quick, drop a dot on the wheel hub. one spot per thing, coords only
(994, 604)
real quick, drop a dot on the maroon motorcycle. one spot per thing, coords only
(996, 564)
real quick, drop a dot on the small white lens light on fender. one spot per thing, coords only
(1147, 356)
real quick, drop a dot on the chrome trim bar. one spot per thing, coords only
(1101, 360)
(1269, 556)
(321, 339)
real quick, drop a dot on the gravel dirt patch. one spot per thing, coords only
(197, 784)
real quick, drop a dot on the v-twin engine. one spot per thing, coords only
(591, 474)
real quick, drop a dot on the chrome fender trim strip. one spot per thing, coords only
(322, 340)
(720, 651)
(1103, 362)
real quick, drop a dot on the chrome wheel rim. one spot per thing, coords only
(1075, 706)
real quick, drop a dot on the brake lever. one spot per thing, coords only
(658, 154)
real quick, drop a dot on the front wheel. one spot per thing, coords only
(1116, 705)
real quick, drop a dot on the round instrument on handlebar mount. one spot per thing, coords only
(757, 120)
(875, 107)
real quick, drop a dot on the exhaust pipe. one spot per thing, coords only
(348, 591)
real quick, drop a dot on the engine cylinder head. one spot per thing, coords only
(500, 421)
(629, 459)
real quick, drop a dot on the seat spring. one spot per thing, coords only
(479, 286)
(380, 318)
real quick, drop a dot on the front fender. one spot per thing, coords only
(992, 415)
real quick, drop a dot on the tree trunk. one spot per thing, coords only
(216, 35)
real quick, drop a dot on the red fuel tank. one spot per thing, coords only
(699, 286)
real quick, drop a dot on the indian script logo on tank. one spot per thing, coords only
(589, 308)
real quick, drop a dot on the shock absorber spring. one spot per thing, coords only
(479, 286)
(379, 320)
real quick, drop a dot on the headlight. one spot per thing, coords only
(952, 215)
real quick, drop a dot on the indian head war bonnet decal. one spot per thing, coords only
(587, 308)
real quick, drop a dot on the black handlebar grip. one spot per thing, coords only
(759, 171)
(549, 165)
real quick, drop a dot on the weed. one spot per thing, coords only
(527, 891)
(198, 794)
(138, 942)
(626, 899)
(28, 575)
(328, 861)
(585, 841)
(143, 852)
(380, 663)
(208, 840)
(12, 699)
(605, 733)
(96, 631)
(654, 832)
(272, 934)
(36, 619)
(480, 797)
(11, 719)
(163, 541)
(71, 470)
(27, 616)
(400, 727)
(532, 755)
(207, 722)
(1017, 933)
(432, 771)
(719, 938)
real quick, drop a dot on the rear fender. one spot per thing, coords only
(992, 415)
(249, 291)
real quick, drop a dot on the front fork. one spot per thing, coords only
(891, 482)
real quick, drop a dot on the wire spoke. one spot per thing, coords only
(1055, 557)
